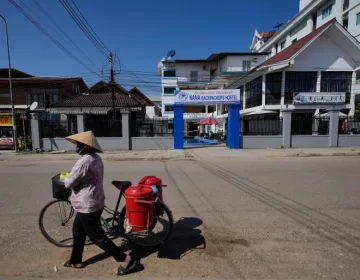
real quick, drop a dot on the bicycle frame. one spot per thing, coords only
(113, 212)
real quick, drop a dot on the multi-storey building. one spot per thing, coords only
(216, 72)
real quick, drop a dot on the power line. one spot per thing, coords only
(56, 42)
(99, 40)
(63, 32)
(85, 30)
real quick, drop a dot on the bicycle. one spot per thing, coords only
(114, 225)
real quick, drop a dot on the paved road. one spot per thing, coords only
(245, 219)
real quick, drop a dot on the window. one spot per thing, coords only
(193, 76)
(294, 41)
(246, 65)
(357, 18)
(346, 5)
(273, 88)
(254, 93)
(299, 82)
(169, 108)
(44, 97)
(326, 12)
(345, 21)
(169, 73)
(337, 82)
(169, 90)
(282, 45)
(314, 21)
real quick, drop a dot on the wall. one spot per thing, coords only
(298, 32)
(261, 142)
(310, 141)
(349, 140)
(57, 144)
(183, 71)
(106, 143)
(152, 143)
(303, 4)
(335, 13)
(323, 53)
(352, 27)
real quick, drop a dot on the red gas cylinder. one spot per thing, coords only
(153, 181)
(139, 207)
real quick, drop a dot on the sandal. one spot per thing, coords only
(74, 265)
(123, 270)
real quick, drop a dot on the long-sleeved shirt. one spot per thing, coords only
(86, 182)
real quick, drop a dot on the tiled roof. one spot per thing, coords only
(98, 100)
(290, 51)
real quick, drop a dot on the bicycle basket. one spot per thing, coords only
(59, 190)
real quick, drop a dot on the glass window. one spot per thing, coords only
(336, 81)
(246, 65)
(169, 108)
(282, 45)
(169, 73)
(193, 76)
(357, 18)
(169, 90)
(273, 88)
(299, 82)
(326, 12)
(254, 93)
(242, 97)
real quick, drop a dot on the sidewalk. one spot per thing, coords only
(150, 155)
(187, 154)
(224, 153)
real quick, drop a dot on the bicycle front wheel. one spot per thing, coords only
(55, 222)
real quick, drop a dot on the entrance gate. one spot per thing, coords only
(208, 97)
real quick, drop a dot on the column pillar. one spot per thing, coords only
(35, 131)
(318, 82)
(333, 127)
(286, 127)
(125, 124)
(352, 94)
(283, 77)
(233, 127)
(263, 90)
(80, 123)
(178, 126)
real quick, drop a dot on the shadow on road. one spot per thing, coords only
(185, 238)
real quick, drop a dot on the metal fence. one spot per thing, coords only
(153, 128)
(261, 126)
(105, 128)
(309, 125)
(349, 125)
(57, 128)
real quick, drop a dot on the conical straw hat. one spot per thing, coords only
(87, 138)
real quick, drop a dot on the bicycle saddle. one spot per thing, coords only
(121, 185)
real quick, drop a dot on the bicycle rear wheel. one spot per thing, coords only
(157, 236)
(55, 222)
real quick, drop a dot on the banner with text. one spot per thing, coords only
(5, 120)
(216, 96)
(308, 98)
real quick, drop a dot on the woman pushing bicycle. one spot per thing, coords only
(88, 199)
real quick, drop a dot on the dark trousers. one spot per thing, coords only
(90, 225)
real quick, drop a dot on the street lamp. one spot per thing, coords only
(11, 92)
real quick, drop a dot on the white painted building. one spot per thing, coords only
(317, 64)
(215, 72)
(312, 14)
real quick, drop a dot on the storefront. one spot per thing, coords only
(6, 133)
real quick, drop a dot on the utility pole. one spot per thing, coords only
(11, 91)
(112, 84)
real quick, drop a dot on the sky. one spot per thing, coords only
(138, 32)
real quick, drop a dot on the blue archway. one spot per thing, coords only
(207, 97)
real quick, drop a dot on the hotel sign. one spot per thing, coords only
(217, 96)
(309, 98)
